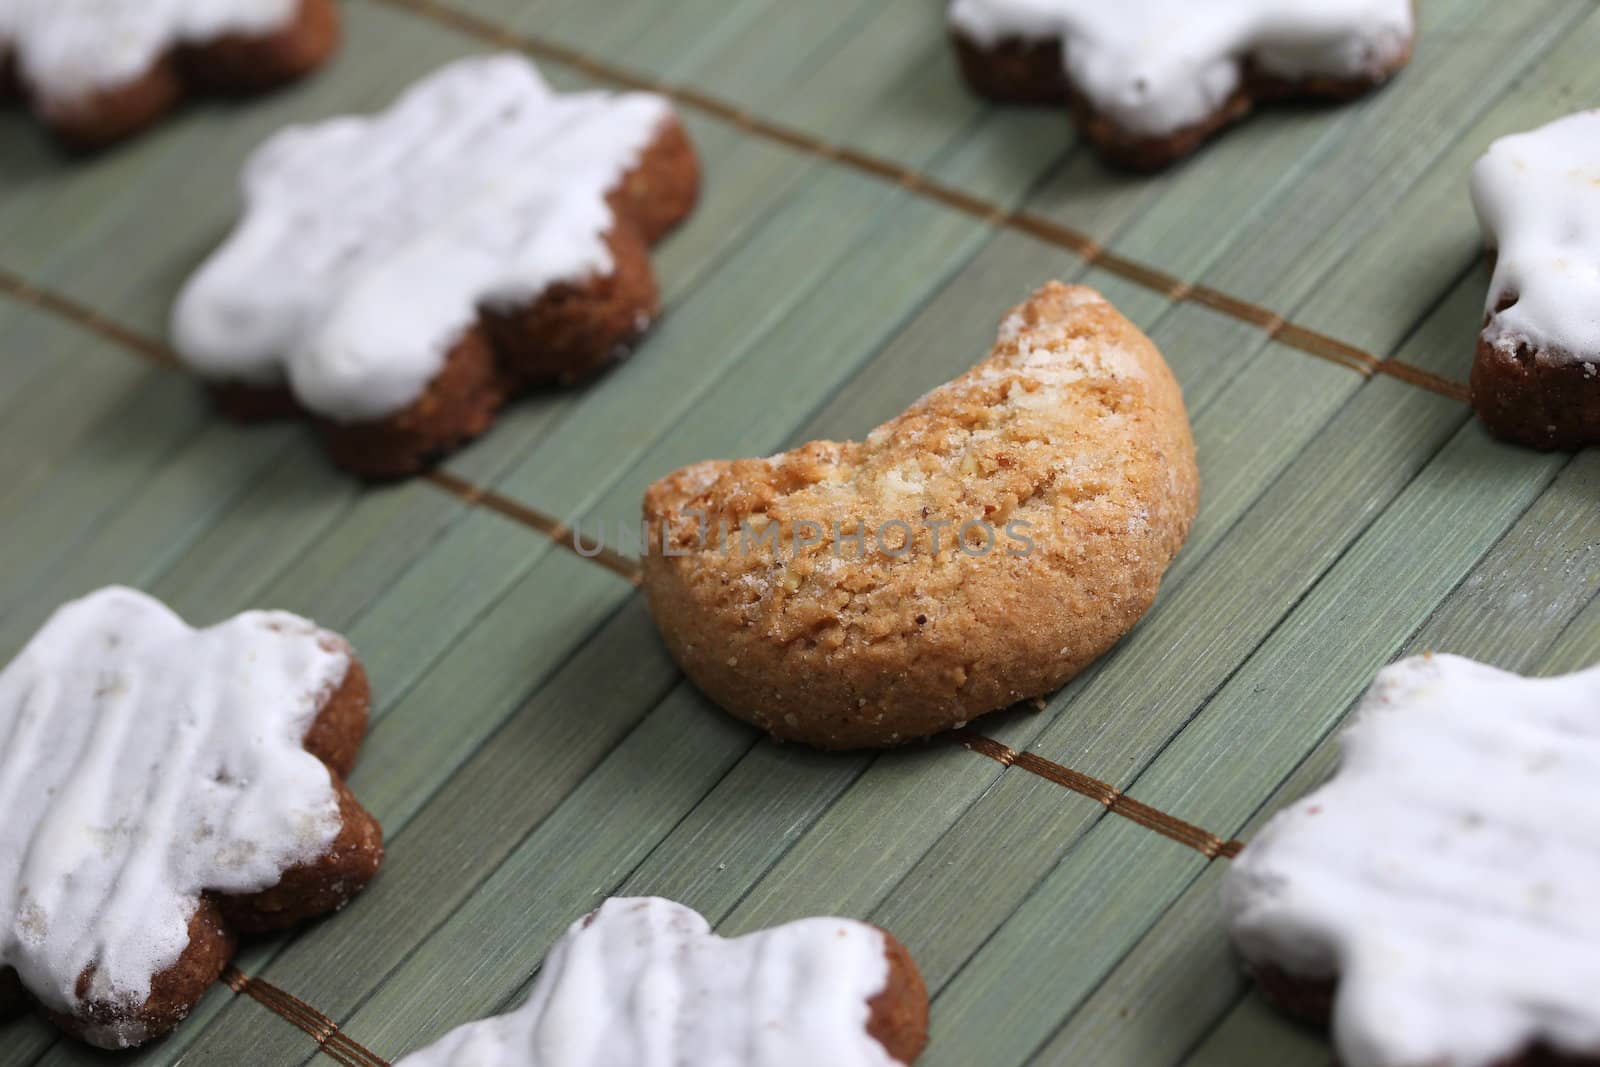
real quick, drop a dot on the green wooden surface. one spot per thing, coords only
(533, 748)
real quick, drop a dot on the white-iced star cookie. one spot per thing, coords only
(482, 210)
(100, 69)
(1537, 375)
(161, 785)
(1444, 881)
(1151, 79)
(645, 983)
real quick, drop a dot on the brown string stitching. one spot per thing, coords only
(1206, 843)
(559, 532)
(25, 292)
(343, 1049)
(333, 1042)
(82, 315)
(324, 1031)
(1411, 375)
(472, 495)
(1107, 795)
(1175, 289)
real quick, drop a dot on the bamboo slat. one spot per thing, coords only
(533, 748)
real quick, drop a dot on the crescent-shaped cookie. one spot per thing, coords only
(978, 550)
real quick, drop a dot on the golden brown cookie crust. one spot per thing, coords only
(230, 64)
(324, 885)
(1545, 400)
(1021, 71)
(898, 1016)
(570, 332)
(1073, 426)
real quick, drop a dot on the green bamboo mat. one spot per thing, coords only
(1314, 278)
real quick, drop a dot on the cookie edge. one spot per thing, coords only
(1021, 70)
(305, 891)
(1310, 1002)
(233, 63)
(569, 332)
(743, 686)
(1534, 397)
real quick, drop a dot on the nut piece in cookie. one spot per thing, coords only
(1536, 378)
(1436, 898)
(1149, 81)
(978, 550)
(165, 789)
(642, 971)
(400, 277)
(97, 71)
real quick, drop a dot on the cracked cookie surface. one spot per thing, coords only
(978, 550)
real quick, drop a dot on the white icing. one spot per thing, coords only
(645, 983)
(68, 50)
(141, 762)
(1156, 66)
(1447, 874)
(368, 244)
(1538, 197)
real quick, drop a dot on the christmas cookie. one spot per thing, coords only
(1436, 899)
(398, 278)
(165, 789)
(99, 70)
(1149, 81)
(1536, 379)
(976, 551)
(645, 983)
